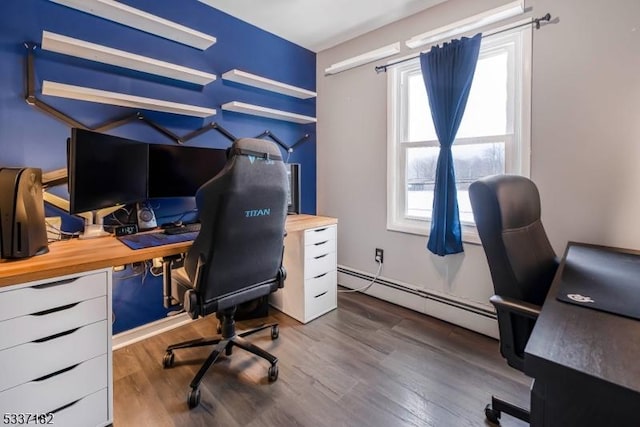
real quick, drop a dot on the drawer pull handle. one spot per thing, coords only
(65, 406)
(318, 230)
(318, 296)
(320, 243)
(320, 275)
(53, 310)
(61, 371)
(321, 256)
(53, 337)
(52, 284)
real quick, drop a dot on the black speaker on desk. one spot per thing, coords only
(23, 232)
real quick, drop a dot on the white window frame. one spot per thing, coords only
(517, 144)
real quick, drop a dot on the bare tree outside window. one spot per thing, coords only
(489, 141)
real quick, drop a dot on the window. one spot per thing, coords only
(493, 136)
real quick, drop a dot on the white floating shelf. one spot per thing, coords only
(256, 110)
(140, 20)
(94, 52)
(365, 58)
(121, 99)
(249, 79)
(468, 24)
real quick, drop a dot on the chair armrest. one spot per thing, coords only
(516, 319)
(282, 272)
(192, 302)
(282, 275)
(198, 272)
(168, 264)
(515, 306)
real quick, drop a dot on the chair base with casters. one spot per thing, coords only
(225, 342)
(497, 406)
(514, 318)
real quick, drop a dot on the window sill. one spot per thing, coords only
(422, 228)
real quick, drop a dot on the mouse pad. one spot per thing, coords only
(602, 280)
(147, 240)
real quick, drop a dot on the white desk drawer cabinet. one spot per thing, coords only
(55, 349)
(310, 289)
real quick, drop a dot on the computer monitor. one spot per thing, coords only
(178, 171)
(293, 199)
(104, 171)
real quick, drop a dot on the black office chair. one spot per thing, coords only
(237, 256)
(506, 209)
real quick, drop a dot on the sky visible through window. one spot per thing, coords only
(485, 115)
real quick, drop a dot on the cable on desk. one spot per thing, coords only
(61, 232)
(145, 273)
(136, 273)
(116, 219)
(155, 271)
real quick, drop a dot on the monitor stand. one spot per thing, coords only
(91, 231)
(93, 222)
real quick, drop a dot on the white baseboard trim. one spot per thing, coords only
(148, 330)
(458, 311)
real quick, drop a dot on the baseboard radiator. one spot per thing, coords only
(449, 309)
(149, 330)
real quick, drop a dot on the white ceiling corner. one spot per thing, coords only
(320, 24)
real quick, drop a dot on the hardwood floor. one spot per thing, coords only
(368, 363)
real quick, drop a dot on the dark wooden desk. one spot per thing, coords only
(585, 363)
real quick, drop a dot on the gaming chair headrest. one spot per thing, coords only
(254, 147)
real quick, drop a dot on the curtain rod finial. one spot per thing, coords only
(546, 17)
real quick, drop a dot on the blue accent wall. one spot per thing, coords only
(28, 137)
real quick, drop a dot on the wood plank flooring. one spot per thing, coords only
(368, 363)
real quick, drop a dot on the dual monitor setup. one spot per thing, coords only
(106, 172)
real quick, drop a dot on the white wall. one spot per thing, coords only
(586, 121)
(585, 147)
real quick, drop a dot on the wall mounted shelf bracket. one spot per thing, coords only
(32, 100)
(289, 148)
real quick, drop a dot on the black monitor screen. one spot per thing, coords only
(105, 171)
(178, 171)
(293, 196)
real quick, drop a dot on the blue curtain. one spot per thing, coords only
(448, 72)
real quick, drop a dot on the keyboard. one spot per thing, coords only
(187, 228)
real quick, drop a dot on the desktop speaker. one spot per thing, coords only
(146, 217)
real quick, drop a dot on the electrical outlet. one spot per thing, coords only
(379, 255)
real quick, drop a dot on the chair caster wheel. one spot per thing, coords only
(228, 350)
(273, 373)
(491, 414)
(168, 359)
(193, 399)
(275, 332)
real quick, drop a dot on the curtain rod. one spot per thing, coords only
(383, 68)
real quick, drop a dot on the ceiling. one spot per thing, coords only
(320, 24)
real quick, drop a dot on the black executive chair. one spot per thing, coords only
(237, 256)
(506, 209)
